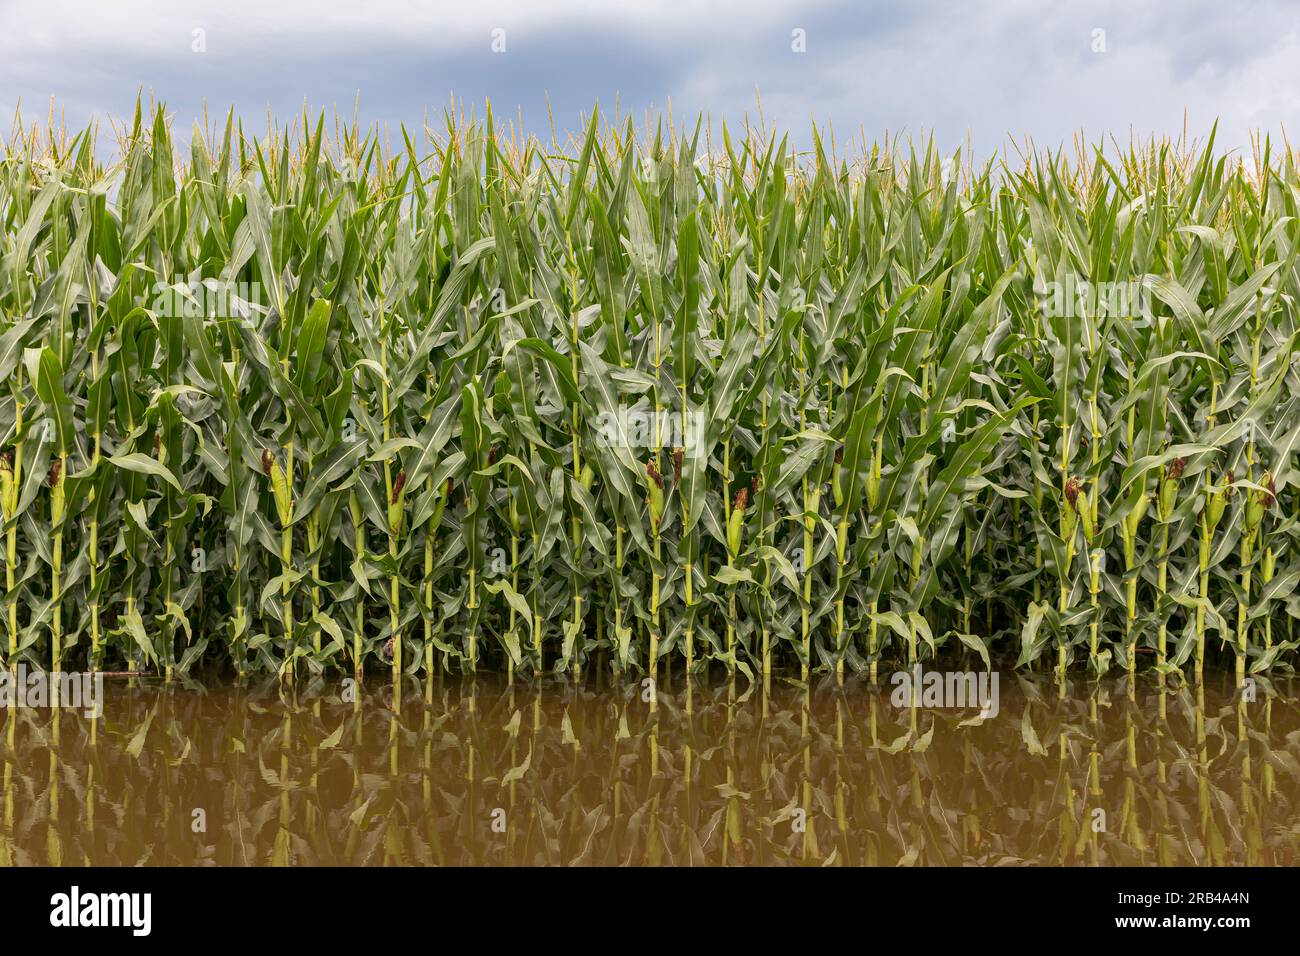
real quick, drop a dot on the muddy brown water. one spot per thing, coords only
(485, 773)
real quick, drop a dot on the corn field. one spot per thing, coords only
(315, 402)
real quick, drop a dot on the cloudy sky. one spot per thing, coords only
(990, 69)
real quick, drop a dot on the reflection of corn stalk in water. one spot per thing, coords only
(725, 785)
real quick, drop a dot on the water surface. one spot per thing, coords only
(549, 772)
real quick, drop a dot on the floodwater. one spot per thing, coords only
(549, 772)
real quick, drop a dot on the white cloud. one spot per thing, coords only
(161, 27)
(993, 67)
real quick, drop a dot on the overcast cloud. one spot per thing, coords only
(992, 69)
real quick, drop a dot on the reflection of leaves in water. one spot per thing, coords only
(593, 777)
